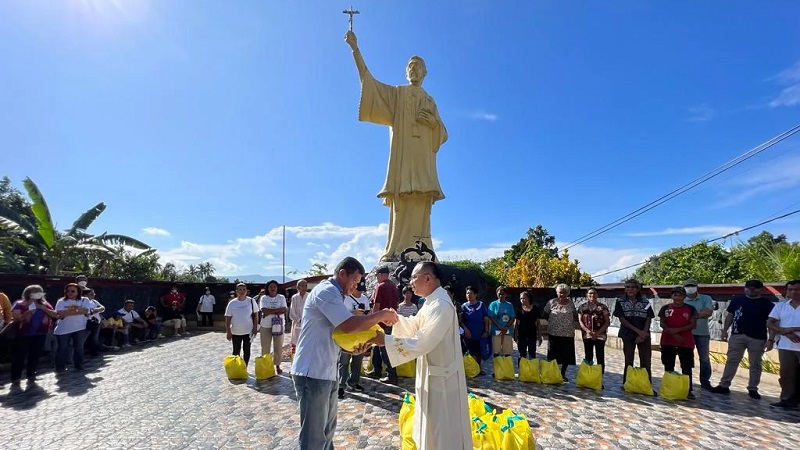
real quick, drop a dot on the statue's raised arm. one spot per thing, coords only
(352, 41)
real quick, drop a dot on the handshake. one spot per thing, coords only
(389, 316)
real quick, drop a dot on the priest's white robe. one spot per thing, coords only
(441, 417)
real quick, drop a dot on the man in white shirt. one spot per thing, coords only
(132, 320)
(314, 370)
(784, 321)
(206, 308)
(441, 418)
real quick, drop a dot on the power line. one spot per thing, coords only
(712, 240)
(686, 187)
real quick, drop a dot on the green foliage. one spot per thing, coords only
(703, 262)
(765, 257)
(318, 269)
(478, 268)
(534, 261)
(47, 249)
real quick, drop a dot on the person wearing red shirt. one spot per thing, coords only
(386, 297)
(678, 319)
(173, 296)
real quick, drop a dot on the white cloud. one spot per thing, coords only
(483, 115)
(155, 231)
(763, 179)
(702, 230)
(476, 254)
(790, 95)
(701, 113)
(600, 260)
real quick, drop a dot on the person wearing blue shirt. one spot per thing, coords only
(475, 322)
(702, 336)
(502, 316)
(315, 367)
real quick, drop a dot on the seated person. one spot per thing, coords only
(153, 325)
(174, 319)
(135, 326)
(111, 330)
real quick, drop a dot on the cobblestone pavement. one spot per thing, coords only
(173, 394)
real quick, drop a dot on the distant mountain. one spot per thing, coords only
(258, 278)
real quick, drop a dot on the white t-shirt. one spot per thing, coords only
(352, 303)
(240, 313)
(95, 304)
(71, 324)
(279, 301)
(788, 317)
(207, 302)
(129, 316)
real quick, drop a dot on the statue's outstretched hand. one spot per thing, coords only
(351, 40)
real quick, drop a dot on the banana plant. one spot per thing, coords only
(57, 249)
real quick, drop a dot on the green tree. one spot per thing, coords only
(707, 263)
(476, 267)
(57, 251)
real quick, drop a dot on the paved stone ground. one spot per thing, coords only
(174, 395)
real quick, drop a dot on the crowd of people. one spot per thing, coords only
(77, 325)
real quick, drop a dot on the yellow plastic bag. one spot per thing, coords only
(407, 423)
(349, 341)
(503, 368)
(674, 386)
(550, 372)
(477, 407)
(637, 381)
(529, 370)
(516, 434)
(408, 369)
(265, 368)
(235, 367)
(590, 376)
(484, 438)
(471, 367)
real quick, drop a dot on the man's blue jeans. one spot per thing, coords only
(318, 407)
(702, 345)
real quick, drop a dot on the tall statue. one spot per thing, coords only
(416, 132)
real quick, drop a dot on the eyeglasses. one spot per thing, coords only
(414, 277)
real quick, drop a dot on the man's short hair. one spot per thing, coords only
(383, 269)
(350, 265)
(792, 283)
(430, 267)
(470, 288)
(407, 289)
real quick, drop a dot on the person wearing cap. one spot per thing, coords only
(350, 364)
(746, 319)
(704, 305)
(205, 307)
(678, 319)
(385, 297)
(133, 321)
(784, 321)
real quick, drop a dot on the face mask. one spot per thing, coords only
(81, 283)
(37, 295)
(691, 290)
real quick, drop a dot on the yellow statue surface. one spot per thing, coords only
(415, 132)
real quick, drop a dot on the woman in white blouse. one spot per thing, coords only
(273, 307)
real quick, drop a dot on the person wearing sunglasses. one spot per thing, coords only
(72, 310)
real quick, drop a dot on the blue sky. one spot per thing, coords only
(205, 126)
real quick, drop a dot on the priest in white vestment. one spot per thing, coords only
(441, 417)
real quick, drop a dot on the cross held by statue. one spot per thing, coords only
(351, 12)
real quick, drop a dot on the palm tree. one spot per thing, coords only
(56, 250)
